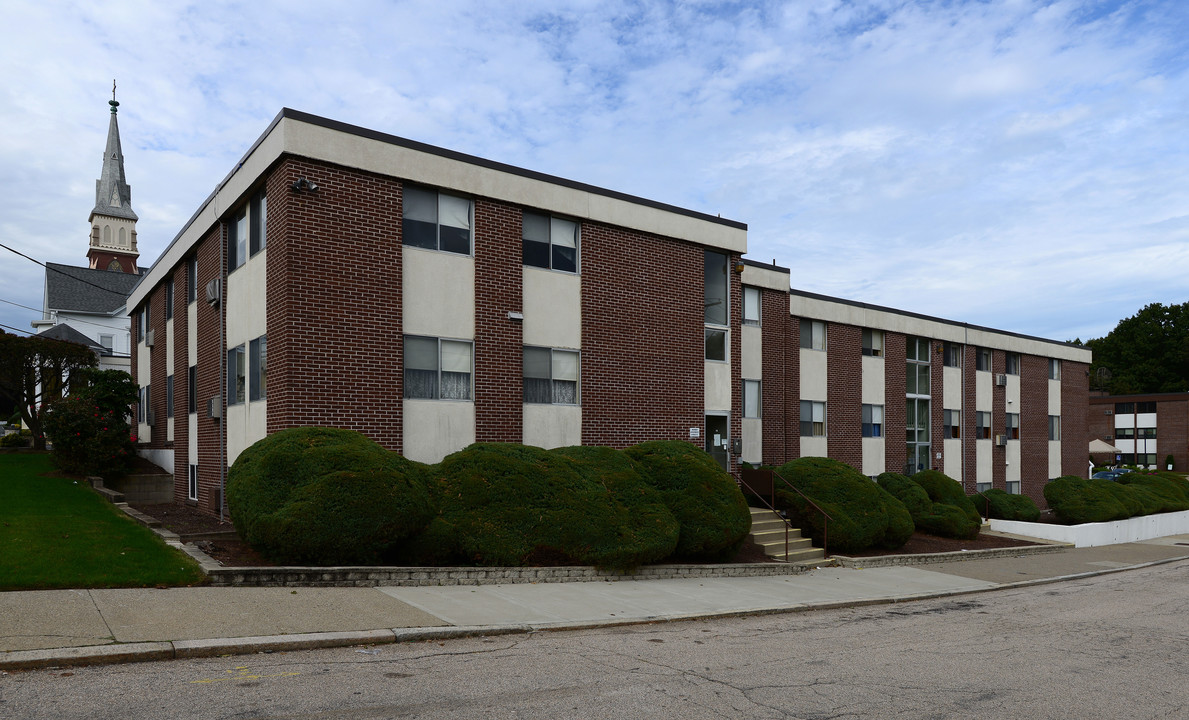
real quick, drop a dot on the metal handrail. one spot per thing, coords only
(987, 500)
(826, 515)
(787, 525)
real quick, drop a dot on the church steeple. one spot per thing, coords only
(113, 223)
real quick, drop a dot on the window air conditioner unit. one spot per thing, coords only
(1001, 380)
(214, 292)
(214, 407)
(150, 338)
(150, 418)
(1001, 440)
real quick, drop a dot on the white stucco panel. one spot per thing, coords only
(752, 360)
(247, 422)
(439, 294)
(192, 335)
(1054, 459)
(552, 309)
(436, 428)
(753, 441)
(984, 384)
(951, 458)
(1013, 460)
(813, 375)
(1054, 397)
(874, 456)
(814, 447)
(246, 301)
(984, 455)
(951, 388)
(552, 426)
(874, 380)
(718, 386)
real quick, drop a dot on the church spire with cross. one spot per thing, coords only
(113, 223)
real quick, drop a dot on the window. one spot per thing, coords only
(192, 485)
(258, 368)
(873, 343)
(1145, 407)
(1125, 433)
(436, 221)
(237, 376)
(191, 279)
(751, 398)
(1148, 433)
(982, 486)
(751, 306)
(169, 396)
(1054, 369)
(550, 376)
(813, 419)
(237, 239)
(982, 425)
(192, 389)
(142, 404)
(951, 424)
(716, 344)
(169, 299)
(1054, 427)
(258, 236)
(437, 369)
(715, 278)
(1013, 487)
(873, 421)
(982, 360)
(951, 354)
(1013, 364)
(1012, 429)
(107, 341)
(142, 324)
(1124, 408)
(550, 242)
(813, 335)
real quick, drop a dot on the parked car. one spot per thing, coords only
(1111, 475)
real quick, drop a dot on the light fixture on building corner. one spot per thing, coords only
(739, 266)
(302, 184)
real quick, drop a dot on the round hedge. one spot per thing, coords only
(1161, 491)
(325, 496)
(1007, 506)
(510, 504)
(929, 517)
(1077, 500)
(709, 507)
(862, 514)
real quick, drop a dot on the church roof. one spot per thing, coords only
(113, 195)
(69, 334)
(79, 289)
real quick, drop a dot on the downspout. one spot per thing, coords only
(222, 367)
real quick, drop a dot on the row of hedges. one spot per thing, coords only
(333, 497)
(1078, 500)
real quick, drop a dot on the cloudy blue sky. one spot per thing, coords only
(1018, 164)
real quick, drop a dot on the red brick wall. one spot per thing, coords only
(969, 419)
(334, 301)
(894, 402)
(100, 260)
(844, 394)
(499, 279)
(778, 347)
(643, 353)
(181, 424)
(792, 392)
(157, 370)
(1075, 417)
(1172, 433)
(209, 375)
(1034, 426)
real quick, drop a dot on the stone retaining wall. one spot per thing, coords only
(932, 558)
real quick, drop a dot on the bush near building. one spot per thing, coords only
(1077, 500)
(89, 428)
(935, 518)
(944, 490)
(324, 496)
(705, 499)
(1006, 506)
(862, 514)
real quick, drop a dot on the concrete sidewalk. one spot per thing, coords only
(70, 627)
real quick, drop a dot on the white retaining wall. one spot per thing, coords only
(1103, 533)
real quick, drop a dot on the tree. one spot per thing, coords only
(1145, 353)
(36, 370)
(90, 426)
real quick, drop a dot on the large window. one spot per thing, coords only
(258, 235)
(436, 221)
(982, 360)
(1124, 408)
(258, 368)
(1054, 427)
(169, 299)
(872, 421)
(191, 279)
(873, 343)
(550, 376)
(916, 377)
(192, 389)
(237, 375)
(1012, 429)
(716, 344)
(550, 242)
(1013, 364)
(1145, 407)
(813, 419)
(1146, 433)
(169, 396)
(951, 354)
(437, 369)
(813, 335)
(715, 304)
(1125, 433)
(1054, 369)
(192, 485)
(237, 239)
(751, 398)
(751, 306)
(916, 411)
(982, 426)
(951, 423)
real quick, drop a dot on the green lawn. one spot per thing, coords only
(58, 533)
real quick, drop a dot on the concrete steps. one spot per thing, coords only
(768, 531)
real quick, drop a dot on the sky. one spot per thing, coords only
(1016, 164)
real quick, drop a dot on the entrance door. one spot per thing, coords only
(717, 439)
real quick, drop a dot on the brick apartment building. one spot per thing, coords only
(1146, 428)
(429, 299)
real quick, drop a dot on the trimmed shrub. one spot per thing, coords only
(510, 504)
(324, 496)
(1077, 500)
(709, 507)
(21, 439)
(89, 427)
(862, 514)
(935, 518)
(1159, 492)
(944, 489)
(1006, 506)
